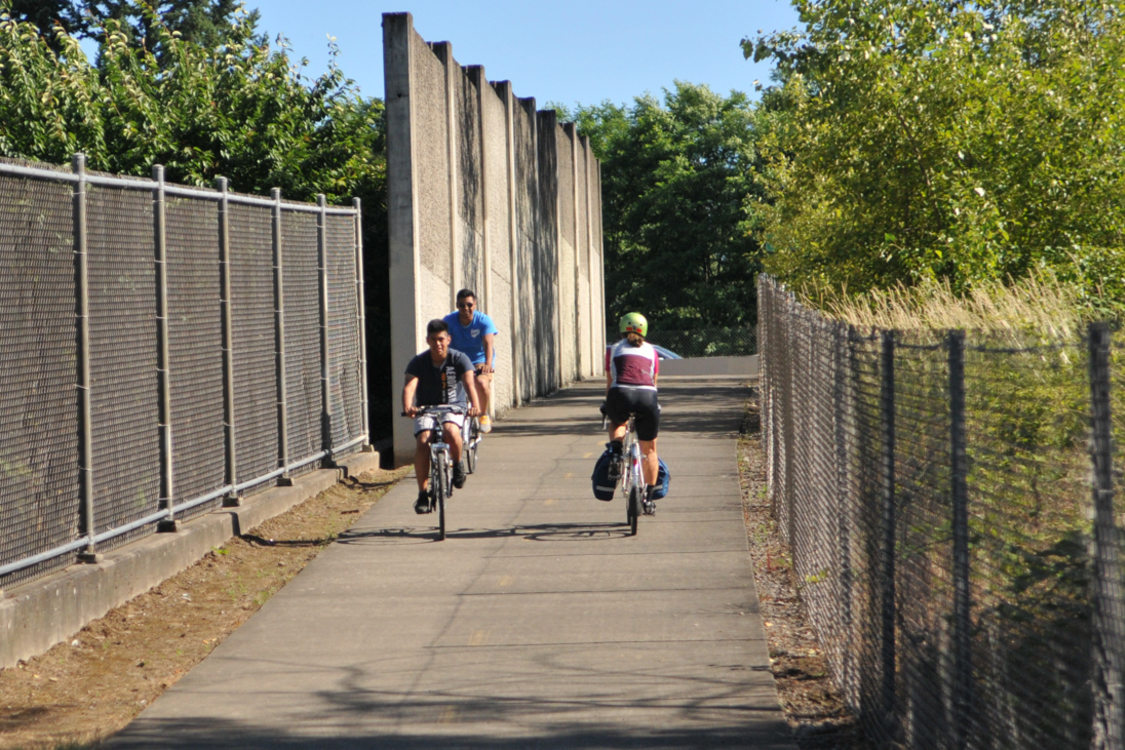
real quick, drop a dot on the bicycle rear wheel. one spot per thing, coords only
(633, 509)
(471, 448)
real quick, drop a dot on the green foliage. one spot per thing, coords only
(49, 104)
(920, 139)
(675, 176)
(191, 85)
(227, 105)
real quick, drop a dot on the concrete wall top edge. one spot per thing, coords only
(444, 51)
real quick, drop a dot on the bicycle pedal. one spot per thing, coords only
(649, 507)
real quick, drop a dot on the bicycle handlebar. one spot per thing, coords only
(437, 409)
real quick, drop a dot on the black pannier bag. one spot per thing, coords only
(601, 478)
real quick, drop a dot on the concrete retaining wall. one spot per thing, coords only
(487, 192)
(43, 613)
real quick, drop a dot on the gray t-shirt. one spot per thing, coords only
(440, 384)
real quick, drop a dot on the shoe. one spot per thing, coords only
(648, 504)
(422, 504)
(458, 475)
(614, 449)
(485, 424)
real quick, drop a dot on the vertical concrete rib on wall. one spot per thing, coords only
(402, 207)
(444, 52)
(527, 199)
(597, 249)
(504, 90)
(580, 310)
(483, 286)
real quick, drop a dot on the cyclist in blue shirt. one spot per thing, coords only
(439, 375)
(473, 333)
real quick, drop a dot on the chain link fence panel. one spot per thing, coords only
(163, 350)
(958, 553)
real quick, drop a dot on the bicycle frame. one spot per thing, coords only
(441, 462)
(632, 477)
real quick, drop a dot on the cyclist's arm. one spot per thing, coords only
(470, 382)
(408, 391)
(489, 353)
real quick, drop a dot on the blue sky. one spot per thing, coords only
(574, 52)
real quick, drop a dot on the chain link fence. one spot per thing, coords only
(164, 350)
(949, 500)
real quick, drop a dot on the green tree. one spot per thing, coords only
(46, 14)
(675, 178)
(49, 104)
(946, 140)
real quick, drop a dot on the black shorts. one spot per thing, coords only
(621, 402)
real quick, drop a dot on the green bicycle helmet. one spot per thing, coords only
(633, 322)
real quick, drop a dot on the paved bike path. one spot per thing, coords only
(538, 622)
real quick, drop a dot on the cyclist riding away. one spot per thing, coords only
(631, 369)
(439, 375)
(473, 333)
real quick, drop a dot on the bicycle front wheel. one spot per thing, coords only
(439, 486)
(633, 509)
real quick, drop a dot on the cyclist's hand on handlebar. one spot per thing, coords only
(411, 411)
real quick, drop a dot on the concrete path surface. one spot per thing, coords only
(538, 622)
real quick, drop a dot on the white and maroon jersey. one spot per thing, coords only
(632, 366)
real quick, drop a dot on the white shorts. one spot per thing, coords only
(425, 422)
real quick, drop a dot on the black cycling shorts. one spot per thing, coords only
(621, 402)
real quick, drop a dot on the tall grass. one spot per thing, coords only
(1041, 306)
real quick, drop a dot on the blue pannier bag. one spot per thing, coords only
(663, 478)
(603, 483)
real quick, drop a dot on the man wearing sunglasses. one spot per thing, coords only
(473, 333)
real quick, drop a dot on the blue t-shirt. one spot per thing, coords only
(470, 339)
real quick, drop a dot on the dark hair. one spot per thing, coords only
(465, 293)
(437, 325)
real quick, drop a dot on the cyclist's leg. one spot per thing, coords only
(422, 426)
(648, 427)
(421, 460)
(484, 394)
(617, 412)
(452, 428)
(651, 462)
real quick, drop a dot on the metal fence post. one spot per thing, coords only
(788, 436)
(1108, 597)
(361, 302)
(82, 335)
(233, 497)
(887, 407)
(279, 341)
(962, 645)
(163, 358)
(842, 341)
(325, 368)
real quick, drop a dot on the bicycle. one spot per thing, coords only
(470, 439)
(441, 461)
(628, 469)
